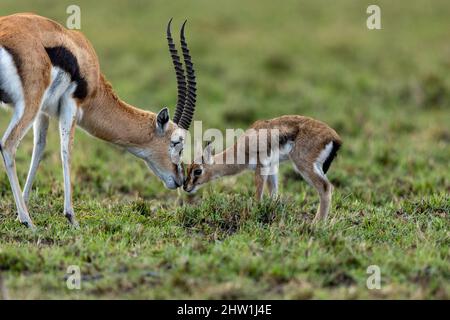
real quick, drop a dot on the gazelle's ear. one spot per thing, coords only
(207, 154)
(162, 120)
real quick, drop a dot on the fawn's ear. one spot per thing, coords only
(207, 153)
(162, 120)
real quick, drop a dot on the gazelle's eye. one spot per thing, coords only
(197, 172)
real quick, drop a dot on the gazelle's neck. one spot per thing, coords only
(220, 167)
(107, 117)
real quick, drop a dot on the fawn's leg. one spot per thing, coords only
(40, 128)
(317, 179)
(325, 190)
(67, 121)
(260, 181)
(272, 183)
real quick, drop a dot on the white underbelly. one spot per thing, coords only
(60, 85)
(274, 157)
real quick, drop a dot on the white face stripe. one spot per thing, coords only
(324, 154)
(177, 145)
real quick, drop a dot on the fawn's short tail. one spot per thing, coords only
(331, 156)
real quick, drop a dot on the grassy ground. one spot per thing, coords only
(386, 92)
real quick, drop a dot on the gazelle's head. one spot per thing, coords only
(200, 172)
(164, 156)
(163, 152)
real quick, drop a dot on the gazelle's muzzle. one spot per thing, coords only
(173, 182)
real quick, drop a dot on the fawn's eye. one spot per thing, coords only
(197, 172)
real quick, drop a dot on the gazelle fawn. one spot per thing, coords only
(47, 71)
(311, 145)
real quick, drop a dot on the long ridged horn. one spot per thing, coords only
(181, 80)
(189, 106)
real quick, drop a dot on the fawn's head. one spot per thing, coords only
(199, 172)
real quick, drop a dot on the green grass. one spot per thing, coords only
(386, 92)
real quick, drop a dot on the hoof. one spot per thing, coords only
(72, 220)
(28, 224)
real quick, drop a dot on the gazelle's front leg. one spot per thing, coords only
(40, 128)
(67, 121)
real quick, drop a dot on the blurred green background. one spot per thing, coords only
(386, 92)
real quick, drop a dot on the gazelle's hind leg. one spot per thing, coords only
(16, 130)
(317, 179)
(67, 122)
(27, 94)
(40, 128)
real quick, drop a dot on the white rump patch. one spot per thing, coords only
(9, 77)
(318, 164)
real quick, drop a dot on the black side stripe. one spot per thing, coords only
(64, 59)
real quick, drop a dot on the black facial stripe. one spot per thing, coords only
(64, 59)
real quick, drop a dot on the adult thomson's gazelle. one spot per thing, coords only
(310, 144)
(49, 71)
